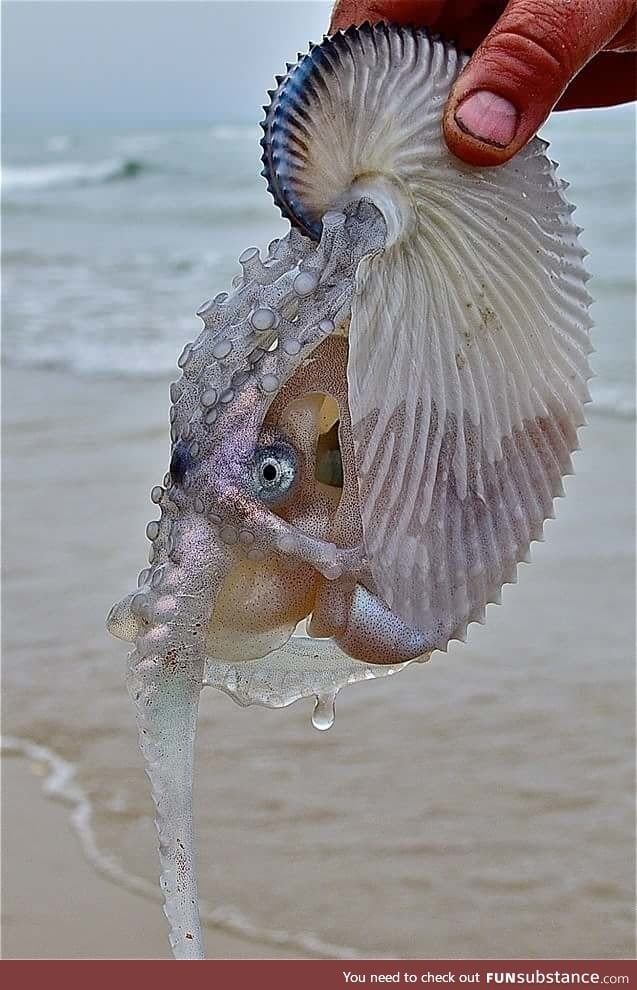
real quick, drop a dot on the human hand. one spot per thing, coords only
(532, 56)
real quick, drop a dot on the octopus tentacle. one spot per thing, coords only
(166, 700)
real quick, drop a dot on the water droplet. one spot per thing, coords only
(305, 283)
(221, 349)
(156, 494)
(209, 397)
(226, 396)
(263, 319)
(323, 714)
(269, 383)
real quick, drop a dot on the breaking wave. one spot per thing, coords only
(70, 174)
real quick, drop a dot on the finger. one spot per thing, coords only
(419, 12)
(626, 40)
(464, 21)
(610, 78)
(520, 71)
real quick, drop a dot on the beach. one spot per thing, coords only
(477, 806)
(60, 906)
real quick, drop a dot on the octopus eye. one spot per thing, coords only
(274, 472)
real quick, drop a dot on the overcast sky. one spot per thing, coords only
(179, 59)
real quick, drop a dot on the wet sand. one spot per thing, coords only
(57, 906)
(478, 806)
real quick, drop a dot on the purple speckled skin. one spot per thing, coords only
(249, 541)
(235, 563)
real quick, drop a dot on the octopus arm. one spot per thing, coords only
(166, 700)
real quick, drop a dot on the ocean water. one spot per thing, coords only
(113, 237)
(480, 805)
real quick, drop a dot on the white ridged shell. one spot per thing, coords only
(469, 333)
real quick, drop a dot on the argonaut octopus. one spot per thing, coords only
(372, 425)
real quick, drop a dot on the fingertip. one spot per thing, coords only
(482, 128)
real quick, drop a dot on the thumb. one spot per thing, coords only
(517, 75)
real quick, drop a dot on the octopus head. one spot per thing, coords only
(259, 524)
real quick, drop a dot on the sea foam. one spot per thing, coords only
(69, 174)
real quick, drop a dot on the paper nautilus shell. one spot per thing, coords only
(469, 332)
(372, 425)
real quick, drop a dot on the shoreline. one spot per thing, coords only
(68, 901)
